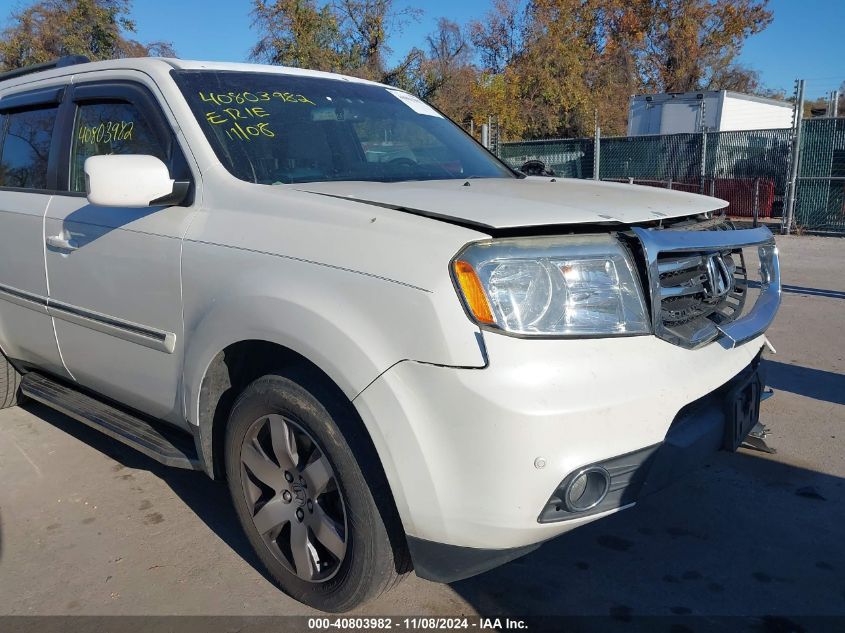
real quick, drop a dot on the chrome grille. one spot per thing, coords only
(699, 283)
(700, 291)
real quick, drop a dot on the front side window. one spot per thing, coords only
(110, 128)
(26, 148)
(277, 129)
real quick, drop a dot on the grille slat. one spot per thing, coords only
(692, 287)
(673, 264)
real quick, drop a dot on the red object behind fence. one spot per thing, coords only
(739, 192)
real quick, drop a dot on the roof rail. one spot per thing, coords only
(61, 62)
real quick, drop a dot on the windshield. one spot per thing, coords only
(278, 129)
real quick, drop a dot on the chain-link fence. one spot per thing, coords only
(820, 189)
(750, 169)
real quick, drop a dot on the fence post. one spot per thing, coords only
(597, 154)
(485, 135)
(756, 207)
(833, 106)
(794, 158)
(702, 112)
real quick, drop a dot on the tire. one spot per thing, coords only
(329, 486)
(10, 382)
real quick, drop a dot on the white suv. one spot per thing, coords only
(396, 350)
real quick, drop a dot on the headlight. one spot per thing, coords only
(552, 286)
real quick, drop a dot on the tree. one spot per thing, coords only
(544, 70)
(540, 67)
(365, 24)
(297, 33)
(499, 37)
(570, 59)
(347, 36)
(692, 45)
(54, 28)
(445, 74)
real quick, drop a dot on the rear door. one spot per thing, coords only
(28, 143)
(114, 273)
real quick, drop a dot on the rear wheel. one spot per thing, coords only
(10, 382)
(316, 522)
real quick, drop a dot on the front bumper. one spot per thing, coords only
(472, 455)
(699, 429)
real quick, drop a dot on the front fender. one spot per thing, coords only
(351, 325)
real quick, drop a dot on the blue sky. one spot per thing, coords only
(805, 40)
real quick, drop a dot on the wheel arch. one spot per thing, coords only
(242, 362)
(236, 366)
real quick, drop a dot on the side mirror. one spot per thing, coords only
(131, 180)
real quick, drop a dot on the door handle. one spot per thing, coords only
(62, 243)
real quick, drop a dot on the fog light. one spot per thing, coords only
(587, 489)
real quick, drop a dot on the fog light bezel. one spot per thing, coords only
(595, 471)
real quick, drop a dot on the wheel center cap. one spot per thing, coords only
(299, 491)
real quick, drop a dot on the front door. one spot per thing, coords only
(114, 273)
(27, 134)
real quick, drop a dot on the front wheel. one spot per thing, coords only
(10, 383)
(304, 500)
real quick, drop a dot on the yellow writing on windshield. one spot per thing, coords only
(240, 115)
(243, 123)
(242, 98)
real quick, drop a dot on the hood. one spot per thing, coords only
(502, 203)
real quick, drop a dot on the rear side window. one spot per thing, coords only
(26, 148)
(110, 128)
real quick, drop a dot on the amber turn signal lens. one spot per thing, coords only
(473, 292)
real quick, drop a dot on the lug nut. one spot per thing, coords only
(288, 476)
(286, 496)
(300, 514)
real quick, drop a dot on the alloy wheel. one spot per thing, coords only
(294, 498)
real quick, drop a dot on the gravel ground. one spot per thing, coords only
(90, 527)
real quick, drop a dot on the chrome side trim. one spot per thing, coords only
(24, 299)
(159, 340)
(126, 330)
(761, 315)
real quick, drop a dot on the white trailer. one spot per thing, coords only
(717, 110)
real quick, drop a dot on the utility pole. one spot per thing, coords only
(792, 183)
(833, 107)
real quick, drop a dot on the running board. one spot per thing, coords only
(170, 447)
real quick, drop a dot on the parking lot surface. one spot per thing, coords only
(90, 527)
